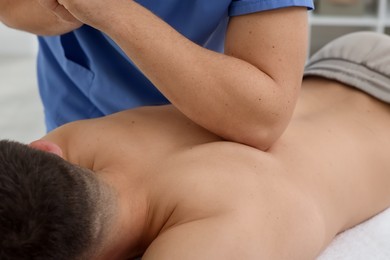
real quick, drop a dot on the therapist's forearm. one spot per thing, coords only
(226, 95)
(30, 16)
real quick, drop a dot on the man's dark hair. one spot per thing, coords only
(46, 207)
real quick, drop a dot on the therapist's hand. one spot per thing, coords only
(61, 12)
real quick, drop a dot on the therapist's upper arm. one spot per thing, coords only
(276, 42)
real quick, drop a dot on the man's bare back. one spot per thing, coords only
(208, 198)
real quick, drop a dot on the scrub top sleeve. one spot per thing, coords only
(241, 7)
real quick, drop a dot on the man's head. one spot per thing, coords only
(49, 208)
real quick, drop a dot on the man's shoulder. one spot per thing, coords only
(217, 190)
(215, 168)
(210, 179)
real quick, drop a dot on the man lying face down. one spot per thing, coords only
(149, 182)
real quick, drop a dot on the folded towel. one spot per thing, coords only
(360, 60)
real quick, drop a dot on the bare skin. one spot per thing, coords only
(186, 194)
(36, 16)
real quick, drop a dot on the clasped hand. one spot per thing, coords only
(91, 12)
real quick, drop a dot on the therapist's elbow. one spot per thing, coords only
(11, 23)
(5, 21)
(262, 135)
(7, 17)
(269, 122)
(261, 139)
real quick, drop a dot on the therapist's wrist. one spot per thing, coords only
(114, 20)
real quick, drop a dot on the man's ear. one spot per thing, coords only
(47, 146)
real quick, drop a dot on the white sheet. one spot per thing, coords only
(367, 241)
(21, 117)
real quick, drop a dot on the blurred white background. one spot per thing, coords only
(16, 43)
(21, 112)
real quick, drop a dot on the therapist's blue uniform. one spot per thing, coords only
(84, 74)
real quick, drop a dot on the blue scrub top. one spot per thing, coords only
(84, 74)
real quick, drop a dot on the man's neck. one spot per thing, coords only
(136, 224)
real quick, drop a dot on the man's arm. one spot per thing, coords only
(31, 16)
(246, 95)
